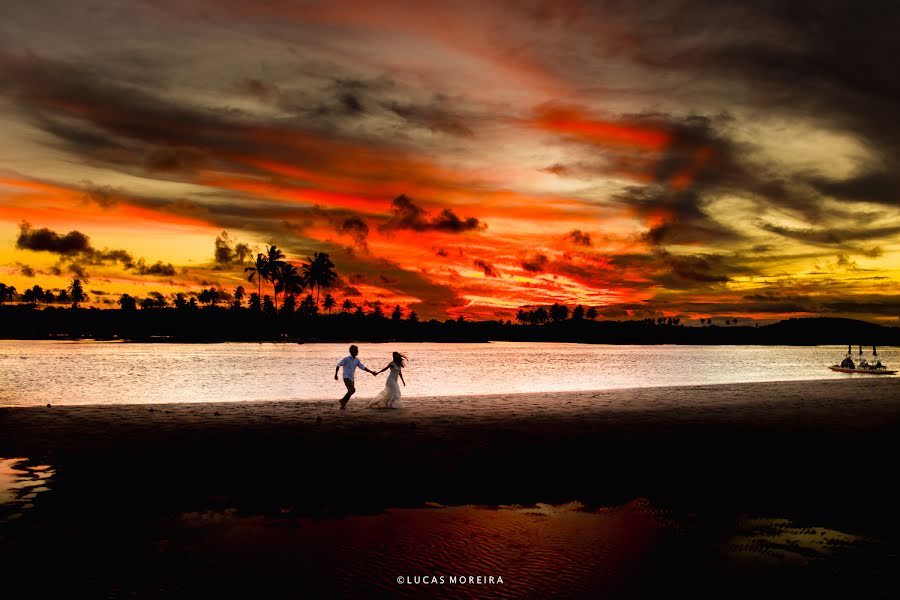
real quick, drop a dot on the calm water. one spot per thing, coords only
(60, 372)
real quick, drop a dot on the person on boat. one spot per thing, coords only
(847, 363)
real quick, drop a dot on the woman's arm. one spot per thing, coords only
(384, 369)
(401, 378)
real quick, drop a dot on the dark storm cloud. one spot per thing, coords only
(832, 62)
(405, 214)
(579, 238)
(684, 218)
(45, 240)
(26, 270)
(489, 270)
(77, 253)
(158, 268)
(105, 120)
(356, 228)
(227, 252)
(536, 263)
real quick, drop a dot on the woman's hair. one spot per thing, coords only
(399, 359)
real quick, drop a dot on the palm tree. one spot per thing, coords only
(328, 303)
(559, 312)
(413, 316)
(286, 279)
(257, 271)
(274, 261)
(347, 306)
(254, 303)
(127, 302)
(308, 307)
(319, 272)
(208, 297)
(397, 314)
(238, 295)
(288, 304)
(77, 292)
(591, 313)
(7, 292)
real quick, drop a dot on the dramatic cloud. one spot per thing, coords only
(356, 228)
(535, 264)
(489, 270)
(405, 214)
(229, 252)
(689, 157)
(579, 238)
(157, 268)
(45, 240)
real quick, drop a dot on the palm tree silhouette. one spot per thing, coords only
(347, 306)
(257, 271)
(328, 303)
(319, 272)
(254, 303)
(127, 302)
(274, 261)
(286, 279)
(77, 293)
(238, 295)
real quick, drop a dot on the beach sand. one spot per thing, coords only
(768, 489)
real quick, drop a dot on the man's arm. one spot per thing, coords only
(338, 368)
(366, 369)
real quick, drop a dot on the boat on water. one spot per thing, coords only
(862, 366)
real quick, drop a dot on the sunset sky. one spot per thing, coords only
(662, 158)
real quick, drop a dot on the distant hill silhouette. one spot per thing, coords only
(217, 324)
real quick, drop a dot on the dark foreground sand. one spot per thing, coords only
(752, 490)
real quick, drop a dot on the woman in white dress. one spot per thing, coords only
(389, 397)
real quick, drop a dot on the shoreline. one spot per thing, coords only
(142, 496)
(580, 398)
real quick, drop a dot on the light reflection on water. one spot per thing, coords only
(539, 551)
(60, 372)
(20, 483)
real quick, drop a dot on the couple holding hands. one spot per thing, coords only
(389, 397)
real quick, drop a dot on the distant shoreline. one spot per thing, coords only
(217, 325)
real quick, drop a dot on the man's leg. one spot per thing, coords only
(351, 389)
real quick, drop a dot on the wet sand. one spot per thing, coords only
(744, 486)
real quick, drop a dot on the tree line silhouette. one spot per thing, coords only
(215, 314)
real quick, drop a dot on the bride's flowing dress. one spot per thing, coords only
(389, 397)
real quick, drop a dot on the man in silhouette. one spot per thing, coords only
(350, 364)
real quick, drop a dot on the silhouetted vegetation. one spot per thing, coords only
(41, 314)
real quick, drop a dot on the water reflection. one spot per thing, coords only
(537, 551)
(781, 542)
(20, 483)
